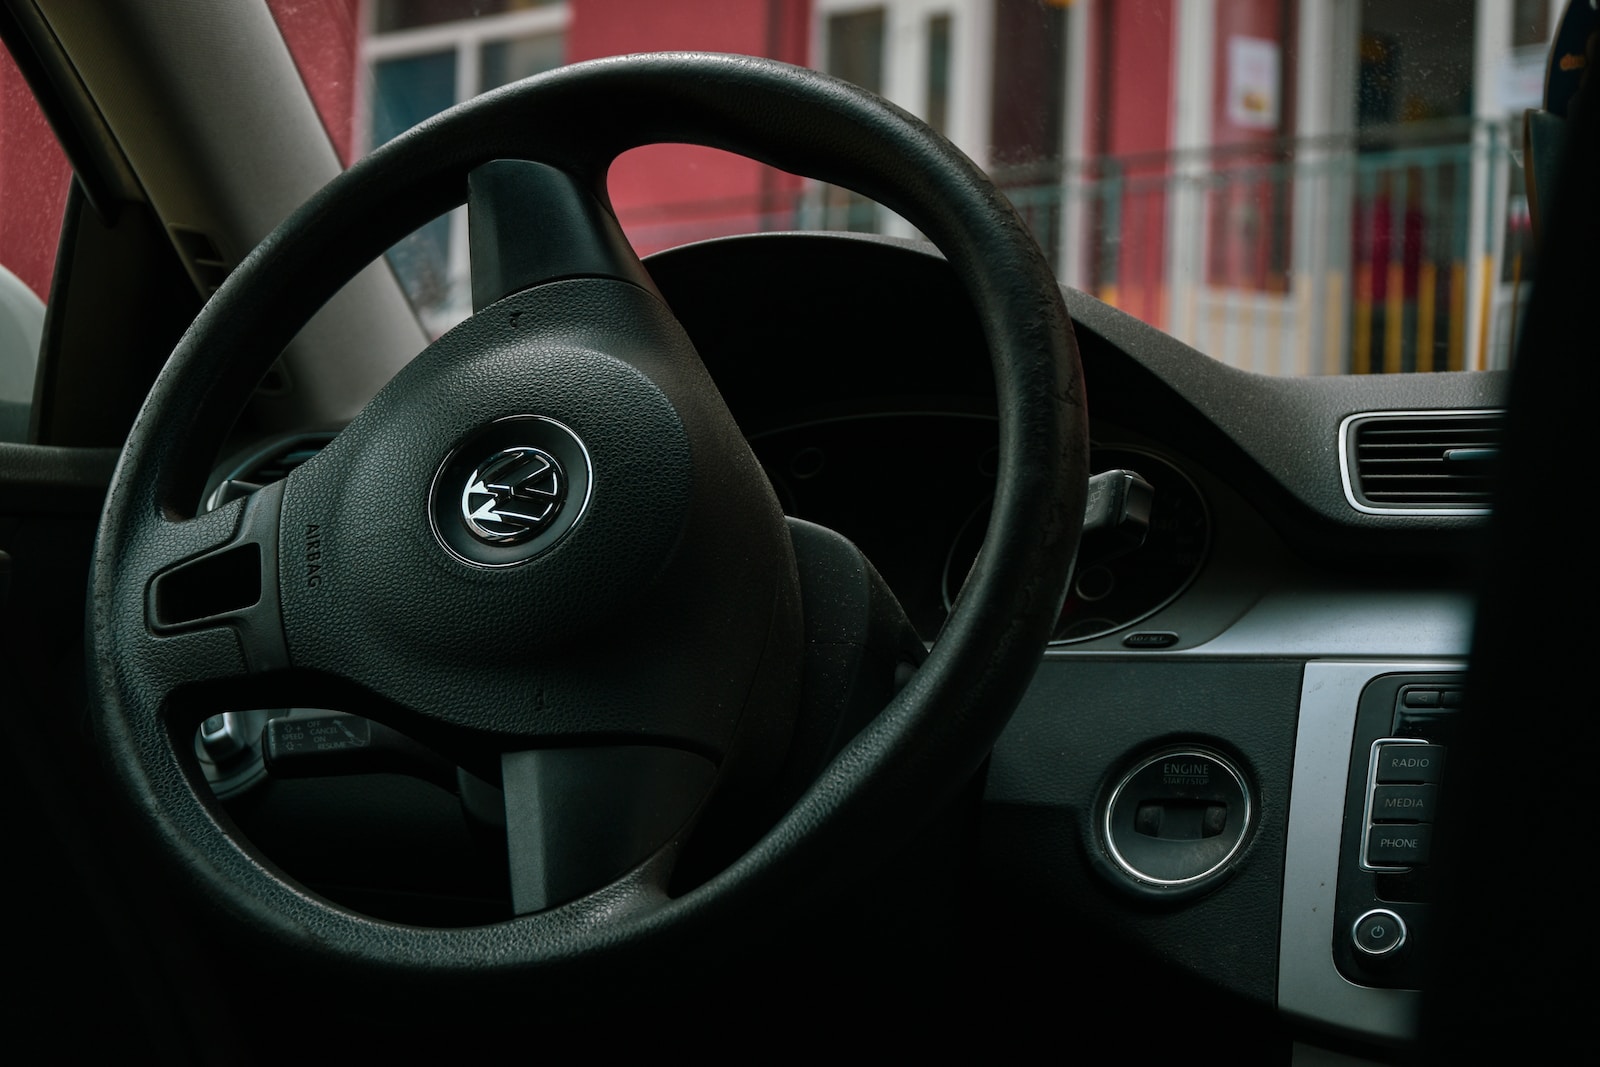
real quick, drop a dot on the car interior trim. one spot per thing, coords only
(1347, 476)
(257, 152)
(1313, 620)
(1310, 987)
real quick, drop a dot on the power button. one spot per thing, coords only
(1379, 934)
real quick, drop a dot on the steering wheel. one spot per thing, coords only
(544, 549)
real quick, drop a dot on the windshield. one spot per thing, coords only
(1292, 186)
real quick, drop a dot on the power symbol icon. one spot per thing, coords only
(1378, 934)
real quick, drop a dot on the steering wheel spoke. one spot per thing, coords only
(578, 819)
(530, 223)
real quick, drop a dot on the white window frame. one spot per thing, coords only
(465, 38)
(905, 66)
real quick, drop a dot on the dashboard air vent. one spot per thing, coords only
(271, 464)
(279, 461)
(1420, 462)
(199, 253)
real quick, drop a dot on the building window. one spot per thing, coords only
(921, 54)
(854, 53)
(425, 56)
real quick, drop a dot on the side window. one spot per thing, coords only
(34, 178)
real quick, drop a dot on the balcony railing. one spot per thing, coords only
(1399, 249)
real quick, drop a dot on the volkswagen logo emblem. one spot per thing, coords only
(511, 491)
(513, 495)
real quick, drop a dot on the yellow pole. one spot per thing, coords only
(1456, 345)
(1393, 327)
(1333, 331)
(1273, 329)
(1361, 357)
(1426, 282)
(1484, 292)
(1301, 340)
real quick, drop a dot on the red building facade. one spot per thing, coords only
(1203, 164)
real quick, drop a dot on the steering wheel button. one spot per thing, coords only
(1379, 934)
(1399, 846)
(1421, 698)
(1410, 763)
(1404, 803)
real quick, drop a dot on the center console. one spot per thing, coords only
(1371, 760)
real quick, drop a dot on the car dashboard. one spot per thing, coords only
(1195, 784)
(1187, 782)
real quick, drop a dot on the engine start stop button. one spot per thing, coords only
(1178, 819)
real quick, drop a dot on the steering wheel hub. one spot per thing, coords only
(511, 492)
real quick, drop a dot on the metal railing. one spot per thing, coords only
(1392, 250)
(1402, 249)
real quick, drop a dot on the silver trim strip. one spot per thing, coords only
(1321, 620)
(1344, 460)
(1310, 987)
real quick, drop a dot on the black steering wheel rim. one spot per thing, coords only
(930, 738)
